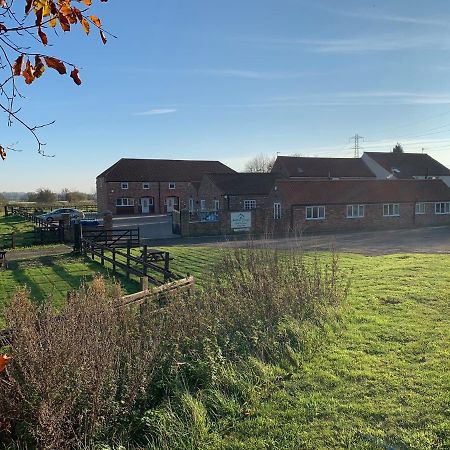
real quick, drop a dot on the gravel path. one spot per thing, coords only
(15, 255)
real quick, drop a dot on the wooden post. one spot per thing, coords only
(102, 257)
(166, 265)
(144, 283)
(144, 260)
(113, 259)
(128, 257)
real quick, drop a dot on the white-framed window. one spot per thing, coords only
(391, 210)
(191, 205)
(216, 205)
(277, 210)
(125, 202)
(124, 185)
(420, 208)
(146, 185)
(355, 211)
(203, 205)
(315, 212)
(442, 208)
(249, 204)
(172, 185)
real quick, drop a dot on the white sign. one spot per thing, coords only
(240, 220)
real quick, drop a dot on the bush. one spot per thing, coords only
(98, 372)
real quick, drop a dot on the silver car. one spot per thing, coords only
(55, 215)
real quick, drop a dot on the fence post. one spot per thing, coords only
(128, 257)
(166, 265)
(102, 257)
(144, 283)
(144, 260)
(114, 259)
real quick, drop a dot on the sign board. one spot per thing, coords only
(241, 220)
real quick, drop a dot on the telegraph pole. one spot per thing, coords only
(357, 138)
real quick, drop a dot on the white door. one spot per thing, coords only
(171, 202)
(145, 204)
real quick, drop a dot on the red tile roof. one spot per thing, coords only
(304, 167)
(162, 170)
(303, 192)
(244, 183)
(408, 165)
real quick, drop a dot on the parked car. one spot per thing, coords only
(55, 215)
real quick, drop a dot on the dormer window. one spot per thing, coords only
(124, 185)
(172, 185)
(146, 185)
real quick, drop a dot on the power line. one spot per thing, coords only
(356, 138)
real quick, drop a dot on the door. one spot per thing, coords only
(145, 205)
(172, 204)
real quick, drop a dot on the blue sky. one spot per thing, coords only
(204, 79)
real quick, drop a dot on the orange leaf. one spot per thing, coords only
(17, 67)
(96, 21)
(28, 73)
(52, 22)
(86, 26)
(3, 4)
(87, 2)
(56, 64)
(75, 77)
(3, 156)
(4, 360)
(39, 67)
(102, 35)
(43, 36)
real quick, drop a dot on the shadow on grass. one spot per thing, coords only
(22, 279)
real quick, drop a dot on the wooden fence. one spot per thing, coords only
(31, 209)
(114, 237)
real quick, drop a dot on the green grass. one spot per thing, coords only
(381, 381)
(20, 226)
(52, 276)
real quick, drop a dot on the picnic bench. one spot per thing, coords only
(3, 261)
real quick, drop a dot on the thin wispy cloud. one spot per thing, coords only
(385, 16)
(156, 112)
(357, 44)
(250, 74)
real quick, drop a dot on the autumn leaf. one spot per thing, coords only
(28, 73)
(96, 21)
(3, 4)
(43, 36)
(3, 156)
(75, 77)
(65, 25)
(87, 2)
(102, 35)
(4, 360)
(17, 67)
(52, 22)
(28, 6)
(86, 26)
(39, 67)
(55, 64)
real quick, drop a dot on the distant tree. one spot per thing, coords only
(75, 196)
(397, 149)
(25, 27)
(260, 164)
(42, 196)
(3, 199)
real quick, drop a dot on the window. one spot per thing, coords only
(420, 208)
(391, 209)
(191, 204)
(249, 204)
(315, 212)
(202, 205)
(277, 210)
(216, 205)
(442, 208)
(150, 200)
(124, 185)
(355, 211)
(125, 202)
(146, 185)
(172, 185)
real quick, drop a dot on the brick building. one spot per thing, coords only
(152, 186)
(235, 191)
(357, 204)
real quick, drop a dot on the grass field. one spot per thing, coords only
(381, 382)
(19, 225)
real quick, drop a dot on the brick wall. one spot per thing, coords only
(109, 192)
